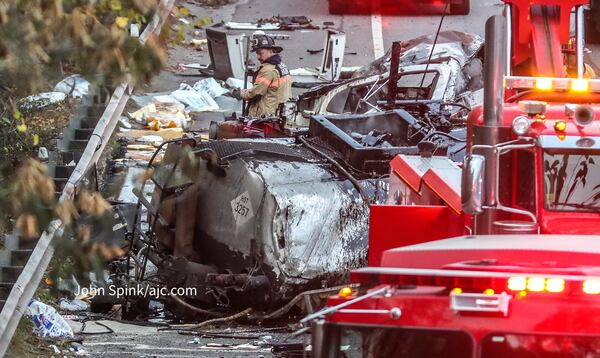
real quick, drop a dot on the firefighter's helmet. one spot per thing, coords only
(264, 41)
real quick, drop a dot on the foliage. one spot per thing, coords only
(35, 206)
(39, 37)
(39, 40)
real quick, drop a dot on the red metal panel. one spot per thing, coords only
(435, 259)
(546, 45)
(535, 313)
(448, 193)
(411, 176)
(395, 226)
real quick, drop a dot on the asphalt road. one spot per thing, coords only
(368, 36)
(364, 33)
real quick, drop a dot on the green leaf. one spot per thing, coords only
(184, 11)
(17, 114)
(115, 5)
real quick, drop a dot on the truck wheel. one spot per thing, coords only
(336, 7)
(461, 9)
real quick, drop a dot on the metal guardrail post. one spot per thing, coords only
(28, 281)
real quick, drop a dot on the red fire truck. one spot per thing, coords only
(499, 258)
(455, 7)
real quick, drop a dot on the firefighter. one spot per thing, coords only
(272, 83)
(570, 61)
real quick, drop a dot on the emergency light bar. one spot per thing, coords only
(577, 85)
(478, 281)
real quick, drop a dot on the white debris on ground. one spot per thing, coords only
(210, 86)
(75, 86)
(75, 305)
(155, 116)
(195, 101)
(237, 83)
(41, 100)
(47, 322)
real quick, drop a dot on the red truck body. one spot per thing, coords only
(500, 257)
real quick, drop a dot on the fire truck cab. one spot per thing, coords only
(499, 256)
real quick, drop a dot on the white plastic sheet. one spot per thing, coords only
(210, 86)
(195, 101)
(47, 322)
(74, 85)
(75, 305)
(237, 83)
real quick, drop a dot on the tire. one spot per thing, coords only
(336, 7)
(461, 9)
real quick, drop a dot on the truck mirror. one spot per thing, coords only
(472, 188)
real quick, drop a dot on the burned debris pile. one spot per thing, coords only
(270, 212)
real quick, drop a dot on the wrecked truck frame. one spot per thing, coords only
(267, 219)
(449, 72)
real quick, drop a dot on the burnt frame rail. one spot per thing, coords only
(28, 281)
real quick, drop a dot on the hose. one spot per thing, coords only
(346, 173)
(431, 134)
(196, 309)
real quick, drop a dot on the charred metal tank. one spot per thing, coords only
(284, 215)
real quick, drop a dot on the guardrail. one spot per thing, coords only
(29, 279)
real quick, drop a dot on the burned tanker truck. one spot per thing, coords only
(263, 219)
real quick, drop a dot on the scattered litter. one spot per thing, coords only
(75, 85)
(184, 21)
(56, 350)
(275, 36)
(72, 317)
(164, 133)
(193, 66)
(210, 86)
(314, 52)
(237, 83)
(41, 100)
(140, 147)
(328, 23)
(252, 26)
(47, 322)
(134, 30)
(167, 100)
(75, 305)
(195, 341)
(288, 23)
(148, 98)
(198, 42)
(155, 140)
(124, 122)
(157, 116)
(195, 101)
(43, 154)
(304, 71)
